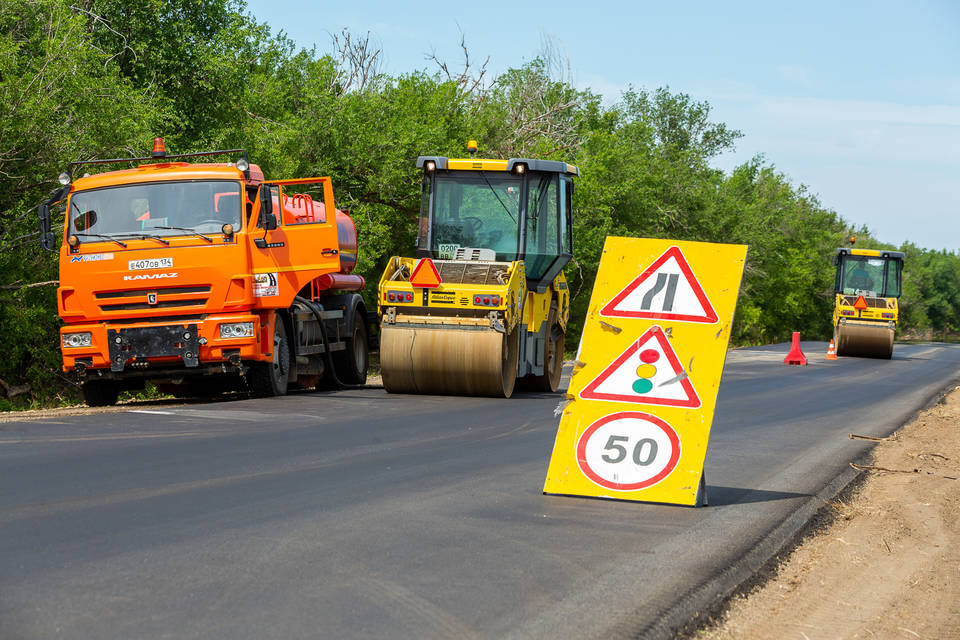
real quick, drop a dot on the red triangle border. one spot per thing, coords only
(589, 392)
(609, 310)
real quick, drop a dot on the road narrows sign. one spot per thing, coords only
(645, 380)
(648, 372)
(666, 290)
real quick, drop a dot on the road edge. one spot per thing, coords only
(703, 604)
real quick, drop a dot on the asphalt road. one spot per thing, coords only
(358, 514)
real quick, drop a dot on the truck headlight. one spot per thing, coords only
(83, 339)
(236, 330)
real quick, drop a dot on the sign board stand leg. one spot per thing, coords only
(702, 491)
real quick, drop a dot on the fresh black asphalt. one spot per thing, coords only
(359, 514)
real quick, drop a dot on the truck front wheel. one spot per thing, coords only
(270, 379)
(100, 393)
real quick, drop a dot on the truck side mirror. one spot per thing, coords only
(268, 220)
(47, 239)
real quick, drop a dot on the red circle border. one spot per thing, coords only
(617, 486)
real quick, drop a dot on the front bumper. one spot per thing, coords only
(149, 345)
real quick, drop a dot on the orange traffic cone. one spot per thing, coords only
(831, 352)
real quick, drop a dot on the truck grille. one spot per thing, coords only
(473, 272)
(166, 298)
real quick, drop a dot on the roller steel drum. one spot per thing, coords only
(864, 340)
(450, 361)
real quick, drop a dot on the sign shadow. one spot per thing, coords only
(718, 496)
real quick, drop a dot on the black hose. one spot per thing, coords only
(317, 309)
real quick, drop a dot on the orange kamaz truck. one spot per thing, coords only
(203, 276)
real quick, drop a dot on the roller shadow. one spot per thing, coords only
(720, 496)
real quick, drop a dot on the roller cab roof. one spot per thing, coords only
(872, 253)
(443, 163)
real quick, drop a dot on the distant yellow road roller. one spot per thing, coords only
(865, 315)
(485, 303)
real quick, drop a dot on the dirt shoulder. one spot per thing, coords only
(888, 564)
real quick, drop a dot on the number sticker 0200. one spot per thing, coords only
(627, 451)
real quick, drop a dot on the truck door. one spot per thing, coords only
(303, 245)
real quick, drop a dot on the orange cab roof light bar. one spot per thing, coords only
(199, 154)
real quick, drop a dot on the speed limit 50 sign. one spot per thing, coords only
(628, 450)
(645, 381)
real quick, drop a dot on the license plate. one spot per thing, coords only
(150, 263)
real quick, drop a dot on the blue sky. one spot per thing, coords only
(860, 101)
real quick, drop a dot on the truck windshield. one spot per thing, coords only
(864, 275)
(480, 210)
(152, 208)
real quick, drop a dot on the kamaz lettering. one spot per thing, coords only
(150, 276)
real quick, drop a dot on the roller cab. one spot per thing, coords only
(484, 305)
(867, 286)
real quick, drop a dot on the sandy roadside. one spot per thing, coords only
(888, 565)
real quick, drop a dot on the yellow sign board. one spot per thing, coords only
(645, 382)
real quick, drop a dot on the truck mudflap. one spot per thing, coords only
(151, 342)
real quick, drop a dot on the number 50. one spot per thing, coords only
(613, 444)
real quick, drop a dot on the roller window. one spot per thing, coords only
(475, 209)
(892, 287)
(543, 224)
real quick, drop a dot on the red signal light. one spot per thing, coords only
(159, 150)
(486, 299)
(391, 297)
(409, 297)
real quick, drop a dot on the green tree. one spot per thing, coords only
(61, 99)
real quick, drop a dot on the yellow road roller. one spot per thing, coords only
(865, 315)
(484, 304)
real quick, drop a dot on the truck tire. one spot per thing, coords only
(100, 393)
(552, 357)
(269, 379)
(351, 363)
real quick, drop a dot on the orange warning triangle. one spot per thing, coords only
(648, 372)
(425, 274)
(666, 290)
(860, 303)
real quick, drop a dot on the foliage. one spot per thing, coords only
(61, 98)
(100, 78)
